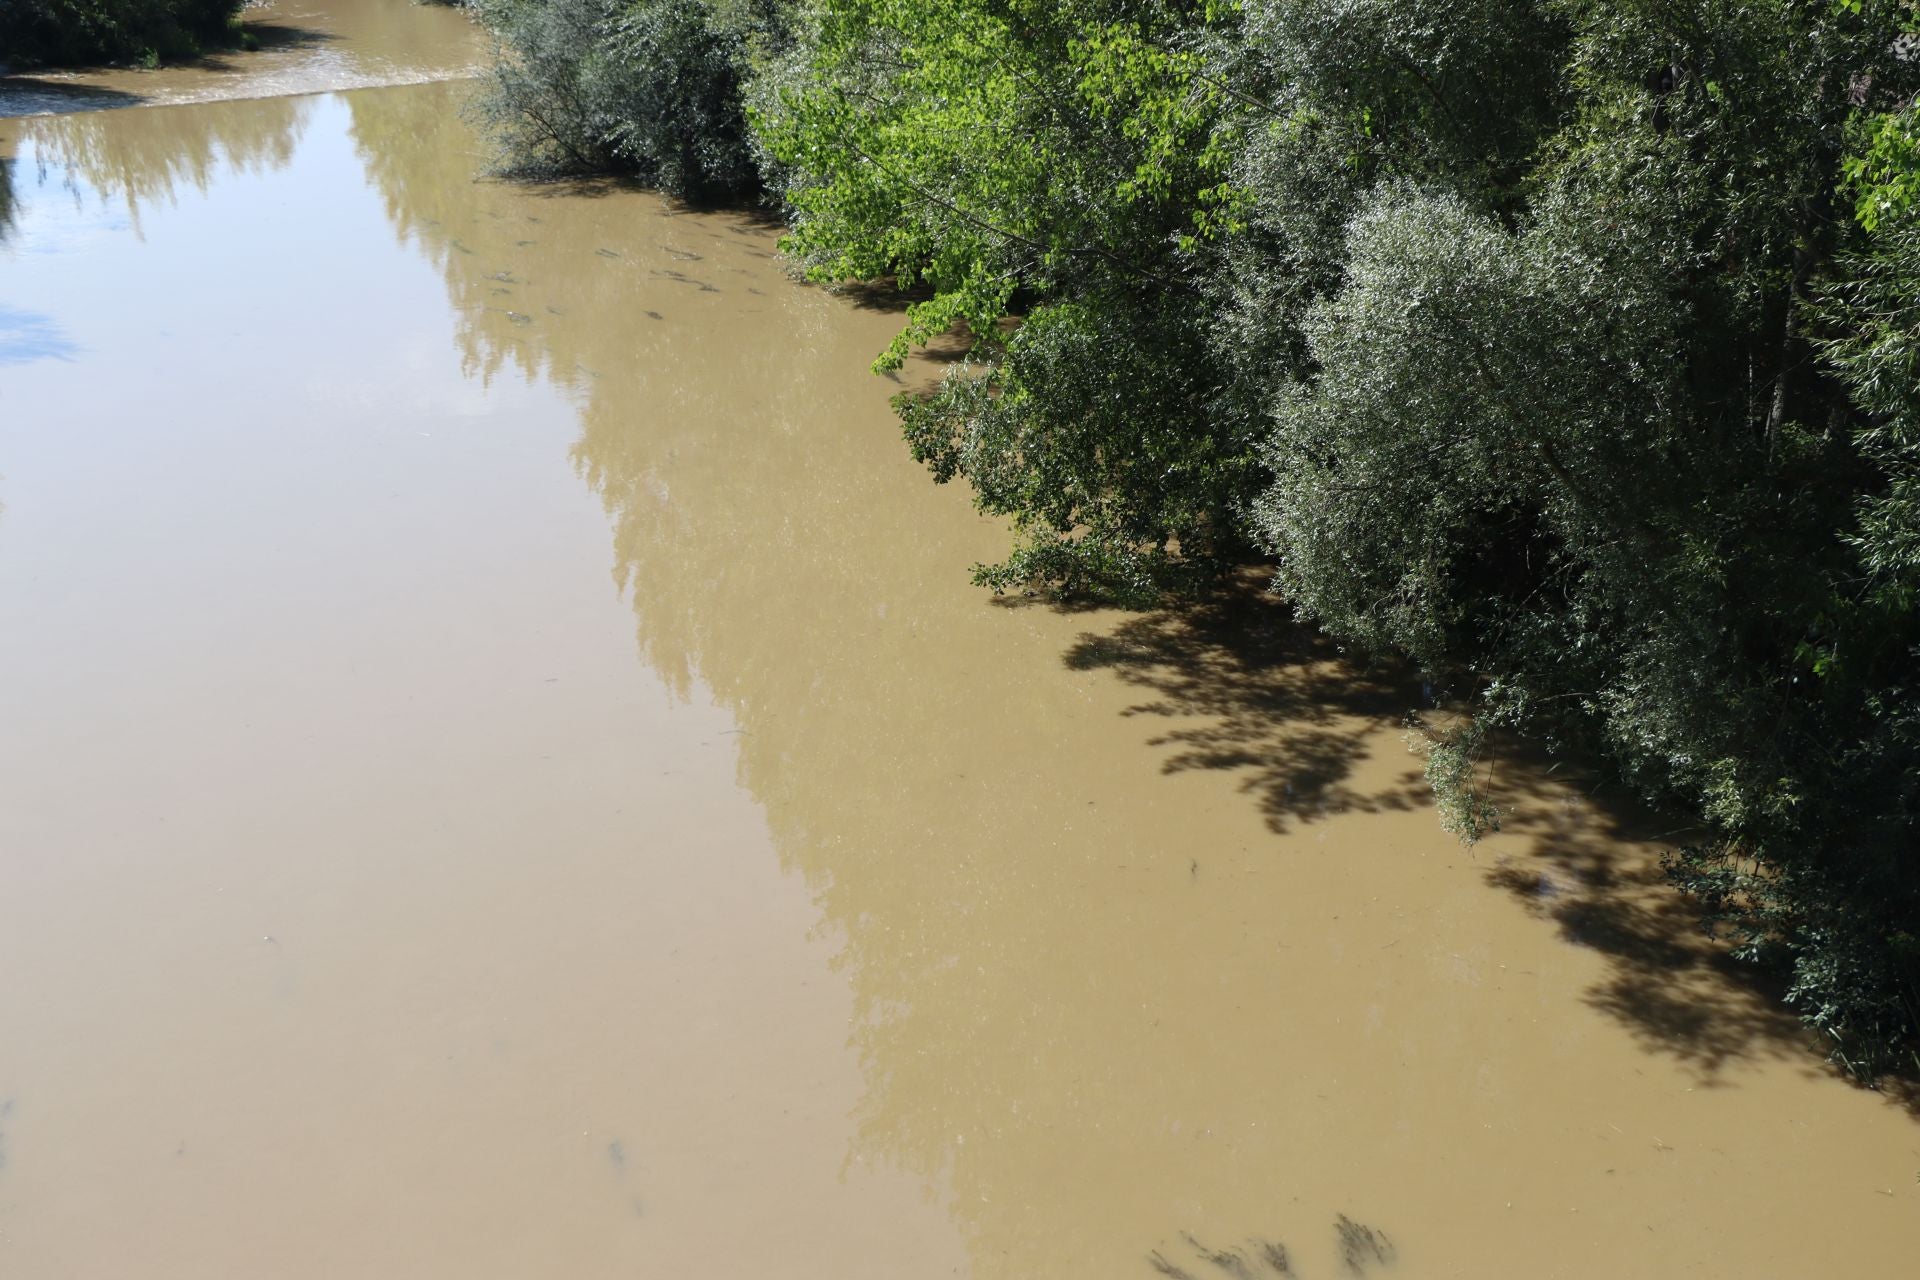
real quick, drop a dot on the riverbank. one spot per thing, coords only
(1423, 330)
(501, 772)
(299, 46)
(83, 33)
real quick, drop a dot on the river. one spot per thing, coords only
(502, 773)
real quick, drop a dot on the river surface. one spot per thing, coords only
(502, 774)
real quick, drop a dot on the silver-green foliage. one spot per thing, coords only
(1618, 429)
(1568, 347)
(654, 87)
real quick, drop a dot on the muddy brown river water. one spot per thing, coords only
(502, 774)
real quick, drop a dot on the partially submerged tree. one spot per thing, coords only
(1056, 160)
(1568, 347)
(1567, 439)
(652, 87)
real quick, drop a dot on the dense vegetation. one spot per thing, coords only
(655, 87)
(78, 32)
(1568, 347)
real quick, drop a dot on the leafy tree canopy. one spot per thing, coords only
(74, 32)
(1568, 347)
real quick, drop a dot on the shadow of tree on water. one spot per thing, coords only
(59, 92)
(267, 36)
(27, 95)
(1591, 866)
(1590, 863)
(271, 35)
(1248, 689)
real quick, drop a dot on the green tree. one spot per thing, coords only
(1568, 347)
(1060, 162)
(1565, 438)
(71, 32)
(651, 87)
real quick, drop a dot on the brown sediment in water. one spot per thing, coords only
(302, 46)
(370, 909)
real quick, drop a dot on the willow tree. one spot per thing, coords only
(1568, 438)
(1567, 347)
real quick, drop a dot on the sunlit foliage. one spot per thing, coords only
(1568, 347)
